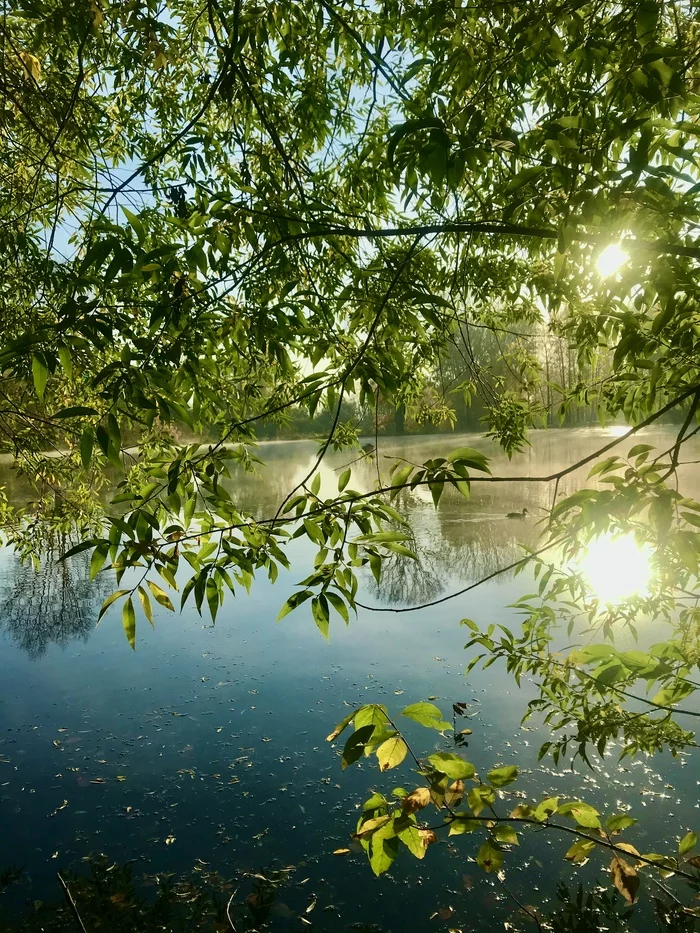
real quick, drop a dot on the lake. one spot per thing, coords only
(207, 744)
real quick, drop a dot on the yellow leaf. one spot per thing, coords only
(391, 753)
(370, 826)
(454, 794)
(341, 851)
(97, 15)
(416, 800)
(626, 847)
(31, 65)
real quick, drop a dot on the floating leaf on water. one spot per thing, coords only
(59, 808)
(169, 840)
(341, 852)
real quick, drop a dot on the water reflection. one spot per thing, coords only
(461, 542)
(54, 605)
(207, 743)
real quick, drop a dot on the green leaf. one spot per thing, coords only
(545, 809)
(580, 851)
(115, 435)
(146, 604)
(295, 600)
(135, 223)
(40, 373)
(355, 745)
(463, 824)
(370, 826)
(505, 834)
(687, 843)
(316, 484)
(160, 595)
(65, 360)
(319, 610)
(383, 849)
(99, 556)
(129, 622)
(313, 531)
(391, 753)
(86, 441)
(427, 714)
(338, 604)
(452, 765)
(469, 457)
(344, 479)
(341, 726)
(490, 856)
(75, 412)
(374, 714)
(113, 597)
(400, 478)
(83, 546)
(619, 821)
(638, 449)
(499, 777)
(413, 840)
(584, 814)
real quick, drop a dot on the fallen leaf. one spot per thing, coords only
(341, 852)
(62, 807)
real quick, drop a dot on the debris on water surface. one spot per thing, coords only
(59, 808)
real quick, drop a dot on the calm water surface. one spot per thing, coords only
(215, 735)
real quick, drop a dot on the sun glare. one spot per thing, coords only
(611, 259)
(616, 568)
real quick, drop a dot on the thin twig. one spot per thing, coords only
(531, 913)
(71, 903)
(228, 912)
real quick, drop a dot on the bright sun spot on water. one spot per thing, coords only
(611, 260)
(616, 567)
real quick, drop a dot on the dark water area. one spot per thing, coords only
(207, 744)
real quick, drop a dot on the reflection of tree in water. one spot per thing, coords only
(457, 544)
(54, 605)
